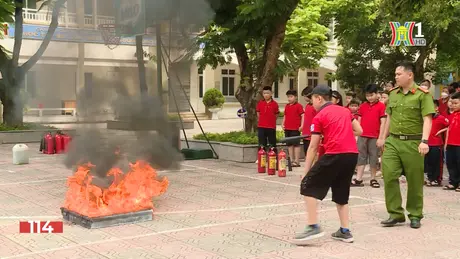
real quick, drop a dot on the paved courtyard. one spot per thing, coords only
(216, 209)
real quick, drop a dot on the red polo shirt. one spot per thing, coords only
(293, 116)
(308, 116)
(439, 122)
(442, 108)
(356, 116)
(268, 112)
(334, 123)
(454, 130)
(370, 114)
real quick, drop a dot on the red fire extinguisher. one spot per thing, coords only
(48, 144)
(271, 162)
(282, 164)
(59, 143)
(66, 139)
(261, 160)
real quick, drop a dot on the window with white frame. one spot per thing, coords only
(313, 77)
(200, 83)
(291, 82)
(228, 82)
(276, 89)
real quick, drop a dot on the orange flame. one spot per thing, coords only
(127, 193)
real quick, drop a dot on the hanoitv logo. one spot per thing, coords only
(405, 34)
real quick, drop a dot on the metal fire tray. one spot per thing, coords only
(106, 221)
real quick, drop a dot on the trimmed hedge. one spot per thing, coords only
(236, 137)
(25, 126)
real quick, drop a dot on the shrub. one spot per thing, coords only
(281, 114)
(236, 137)
(213, 98)
(25, 126)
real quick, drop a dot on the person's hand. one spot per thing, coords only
(282, 126)
(380, 143)
(300, 129)
(423, 148)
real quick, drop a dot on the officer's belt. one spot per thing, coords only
(407, 137)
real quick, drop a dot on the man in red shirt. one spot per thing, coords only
(309, 114)
(334, 169)
(434, 159)
(292, 125)
(453, 145)
(372, 117)
(267, 111)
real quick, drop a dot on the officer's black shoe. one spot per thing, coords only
(392, 222)
(415, 223)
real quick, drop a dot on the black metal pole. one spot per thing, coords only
(159, 63)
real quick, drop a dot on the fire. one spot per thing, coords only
(128, 192)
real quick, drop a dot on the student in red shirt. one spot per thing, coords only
(384, 97)
(334, 169)
(337, 98)
(443, 102)
(354, 107)
(453, 145)
(292, 125)
(372, 118)
(267, 112)
(348, 97)
(434, 159)
(309, 114)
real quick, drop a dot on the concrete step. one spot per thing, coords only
(189, 115)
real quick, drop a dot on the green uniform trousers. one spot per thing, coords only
(402, 155)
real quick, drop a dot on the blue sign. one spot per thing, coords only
(242, 113)
(38, 32)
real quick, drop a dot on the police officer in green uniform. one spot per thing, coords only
(410, 110)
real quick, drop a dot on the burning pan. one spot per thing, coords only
(107, 221)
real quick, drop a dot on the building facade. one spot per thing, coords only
(78, 61)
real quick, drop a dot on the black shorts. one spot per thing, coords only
(267, 137)
(330, 171)
(292, 133)
(306, 144)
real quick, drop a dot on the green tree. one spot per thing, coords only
(13, 73)
(258, 32)
(364, 26)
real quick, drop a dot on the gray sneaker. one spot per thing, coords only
(345, 237)
(308, 234)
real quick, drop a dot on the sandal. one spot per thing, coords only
(374, 184)
(295, 164)
(458, 189)
(357, 183)
(428, 183)
(449, 187)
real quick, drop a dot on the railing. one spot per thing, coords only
(32, 16)
(70, 111)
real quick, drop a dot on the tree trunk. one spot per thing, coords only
(141, 65)
(13, 107)
(246, 94)
(14, 74)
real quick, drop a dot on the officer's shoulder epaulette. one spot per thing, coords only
(423, 90)
(394, 88)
